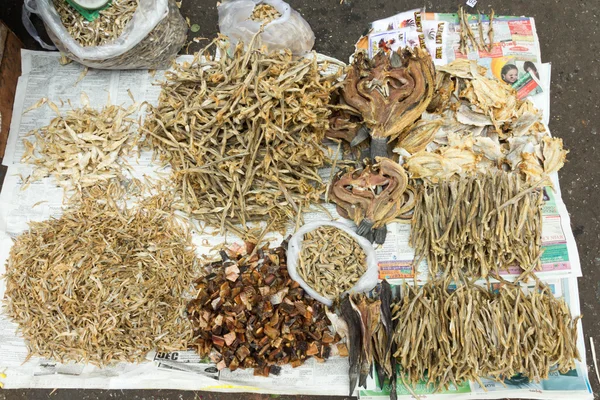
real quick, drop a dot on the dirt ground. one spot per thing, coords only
(569, 35)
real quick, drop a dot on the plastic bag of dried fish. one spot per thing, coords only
(130, 34)
(284, 27)
(365, 282)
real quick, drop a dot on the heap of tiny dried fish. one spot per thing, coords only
(372, 196)
(243, 134)
(446, 337)
(389, 93)
(102, 284)
(331, 261)
(105, 29)
(478, 226)
(250, 314)
(264, 13)
(82, 147)
(478, 124)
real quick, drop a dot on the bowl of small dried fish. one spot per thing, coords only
(329, 258)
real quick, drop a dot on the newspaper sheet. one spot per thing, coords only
(63, 85)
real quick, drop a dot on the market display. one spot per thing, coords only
(449, 170)
(243, 134)
(103, 283)
(474, 227)
(447, 336)
(82, 147)
(331, 262)
(250, 314)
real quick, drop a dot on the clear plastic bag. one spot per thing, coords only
(290, 31)
(150, 40)
(366, 282)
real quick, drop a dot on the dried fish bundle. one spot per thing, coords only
(250, 314)
(331, 261)
(101, 284)
(109, 25)
(449, 336)
(478, 226)
(264, 13)
(83, 147)
(390, 93)
(243, 134)
(373, 196)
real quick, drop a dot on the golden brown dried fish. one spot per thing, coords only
(331, 261)
(102, 284)
(447, 336)
(243, 134)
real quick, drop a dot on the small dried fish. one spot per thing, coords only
(331, 262)
(83, 147)
(243, 134)
(478, 226)
(110, 24)
(103, 284)
(448, 336)
(264, 13)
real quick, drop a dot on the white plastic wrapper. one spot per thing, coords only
(364, 284)
(290, 31)
(152, 38)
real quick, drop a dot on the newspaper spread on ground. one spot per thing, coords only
(43, 76)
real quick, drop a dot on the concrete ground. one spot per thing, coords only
(569, 33)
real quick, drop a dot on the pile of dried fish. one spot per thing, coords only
(369, 332)
(264, 13)
(446, 337)
(331, 261)
(83, 147)
(250, 314)
(102, 284)
(478, 225)
(109, 25)
(476, 124)
(373, 196)
(243, 134)
(388, 93)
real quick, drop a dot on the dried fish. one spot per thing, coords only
(478, 226)
(258, 318)
(352, 317)
(331, 261)
(83, 147)
(103, 284)
(372, 196)
(243, 134)
(264, 13)
(105, 29)
(483, 125)
(390, 93)
(447, 336)
(154, 51)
